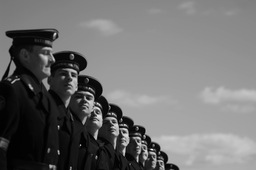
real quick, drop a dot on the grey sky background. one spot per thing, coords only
(183, 69)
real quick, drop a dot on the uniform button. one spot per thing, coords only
(80, 145)
(70, 168)
(48, 150)
(58, 152)
(58, 127)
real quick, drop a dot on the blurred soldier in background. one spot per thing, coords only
(151, 162)
(123, 138)
(162, 159)
(133, 150)
(145, 142)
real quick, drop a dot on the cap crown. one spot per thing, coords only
(154, 147)
(114, 111)
(146, 140)
(69, 59)
(126, 122)
(102, 103)
(137, 130)
(162, 156)
(170, 166)
(91, 84)
(43, 37)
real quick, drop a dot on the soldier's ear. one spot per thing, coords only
(24, 56)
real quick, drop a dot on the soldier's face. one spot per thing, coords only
(40, 61)
(64, 82)
(95, 119)
(110, 127)
(82, 102)
(160, 165)
(144, 153)
(123, 137)
(134, 146)
(151, 161)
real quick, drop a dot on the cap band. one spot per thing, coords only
(62, 64)
(86, 88)
(135, 134)
(152, 149)
(111, 114)
(123, 125)
(97, 104)
(32, 41)
(144, 142)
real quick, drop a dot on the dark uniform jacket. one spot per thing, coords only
(88, 152)
(70, 131)
(28, 121)
(109, 158)
(133, 164)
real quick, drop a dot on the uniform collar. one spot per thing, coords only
(30, 80)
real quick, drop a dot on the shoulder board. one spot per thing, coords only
(12, 79)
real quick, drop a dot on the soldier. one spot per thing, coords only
(171, 166)
(107, 138)
(162, 159)
(81, 106)
(145, 142)
(151, 162)
(82, 102)
(63, 84)
(123, 139)
(28, 120)
(133, 150)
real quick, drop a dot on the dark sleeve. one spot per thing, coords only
(9, 118)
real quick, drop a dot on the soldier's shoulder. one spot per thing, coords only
(12, 79)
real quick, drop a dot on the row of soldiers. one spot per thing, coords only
(71, 125)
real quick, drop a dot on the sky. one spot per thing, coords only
(183, 69)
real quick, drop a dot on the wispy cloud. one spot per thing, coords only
(137, 100)
(217, 7)
(154, 11)
(222, 94)
(209, 148)
(188, 7)
(105, 27)
(239, 101)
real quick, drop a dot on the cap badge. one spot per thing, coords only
(153, 145)
(137, 128)
(54, 36)
(86, 80)
(71, 57)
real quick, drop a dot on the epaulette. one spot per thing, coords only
(12, 79)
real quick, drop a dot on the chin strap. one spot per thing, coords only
(7, 70)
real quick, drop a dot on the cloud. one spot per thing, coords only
(215, 149)
(105, 27)
(239, 101)
(207, 8)
(223, 94)
(246, 108)
(154, 11)
(136, 100)
(188, 7)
